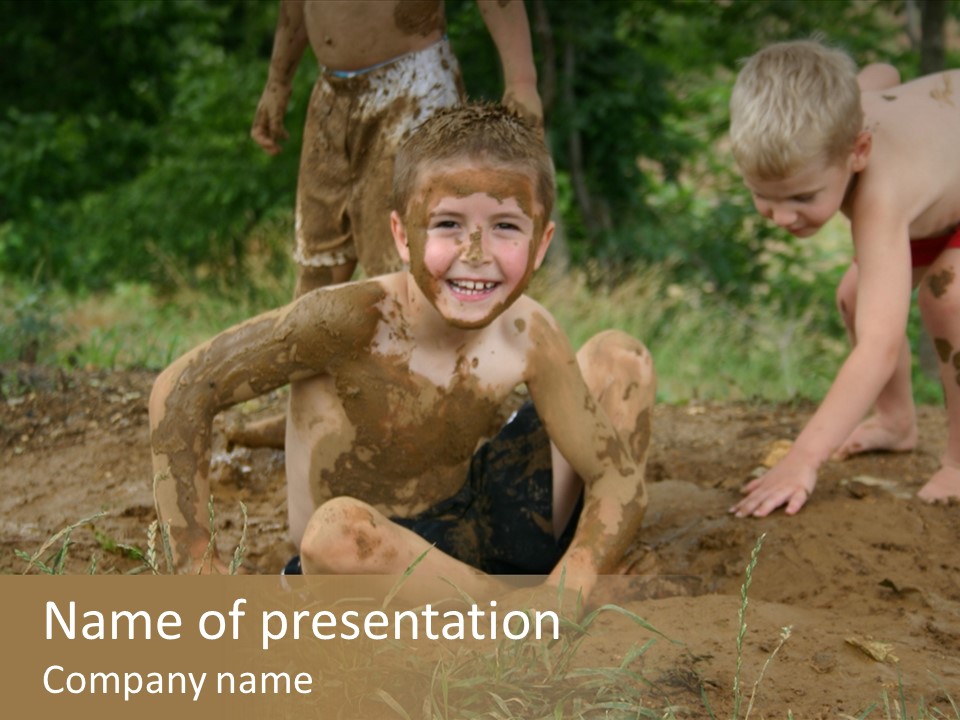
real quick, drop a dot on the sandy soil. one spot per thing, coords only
(864, 563)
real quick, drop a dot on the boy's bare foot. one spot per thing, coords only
(269, 432)
(876, 433)
(944, 484)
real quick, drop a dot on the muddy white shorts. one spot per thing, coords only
(355, 123)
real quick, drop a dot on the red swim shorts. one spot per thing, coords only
(925, 250)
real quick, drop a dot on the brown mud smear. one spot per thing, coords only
(944, 94)
(941, 281)
(944, 349)
(870, 566)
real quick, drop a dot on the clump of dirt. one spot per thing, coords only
(866, 576)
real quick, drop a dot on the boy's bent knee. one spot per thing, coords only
(344, 536)
(614, 354)
(620, 373)
(612, 347)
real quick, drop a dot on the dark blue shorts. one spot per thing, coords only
(500, 520)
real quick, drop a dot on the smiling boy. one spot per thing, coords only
(393, 438)
(811, 138)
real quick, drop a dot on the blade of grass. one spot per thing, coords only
(403, 578)
(32, 559)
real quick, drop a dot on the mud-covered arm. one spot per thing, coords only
(289, 42)
(615, 496)
(247, 360)
(510, 29)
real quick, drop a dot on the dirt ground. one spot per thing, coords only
(865, 567)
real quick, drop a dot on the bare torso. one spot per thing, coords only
(397, 426)
(357, 34)
(915, 127)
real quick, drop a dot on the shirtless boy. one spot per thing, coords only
(812, 138)
(397, 381)
(386, 67)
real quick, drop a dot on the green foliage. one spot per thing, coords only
(149, 174)
(136, 165)
(28, 323)
(125, 164)
(705, 346)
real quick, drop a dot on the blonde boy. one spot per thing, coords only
(812, 138)
(397, 382)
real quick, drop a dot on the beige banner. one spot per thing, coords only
(275, 647)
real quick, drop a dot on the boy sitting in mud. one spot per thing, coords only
(811, 138)
(386, 67)
(398, 381)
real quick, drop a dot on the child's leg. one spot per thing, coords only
(619, 371)
(310, 278)
(893, 424)
(346, 536)
(939, 299)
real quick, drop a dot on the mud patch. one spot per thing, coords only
(939, 282)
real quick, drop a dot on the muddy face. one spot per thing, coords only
(431, 261)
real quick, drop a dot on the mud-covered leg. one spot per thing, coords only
(346, 536)
(893, 424)
(619, 371)
(939, 299)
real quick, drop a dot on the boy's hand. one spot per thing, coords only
(789, 482)
(524, 100)
(268, 129)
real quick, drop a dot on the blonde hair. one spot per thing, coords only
(478, 131)
(793, 103)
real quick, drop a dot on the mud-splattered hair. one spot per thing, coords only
(794, 103)
(478, 131)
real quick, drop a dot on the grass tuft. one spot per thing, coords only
(55, 564)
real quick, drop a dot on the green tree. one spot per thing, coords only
(137, 163)
(124, 149)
